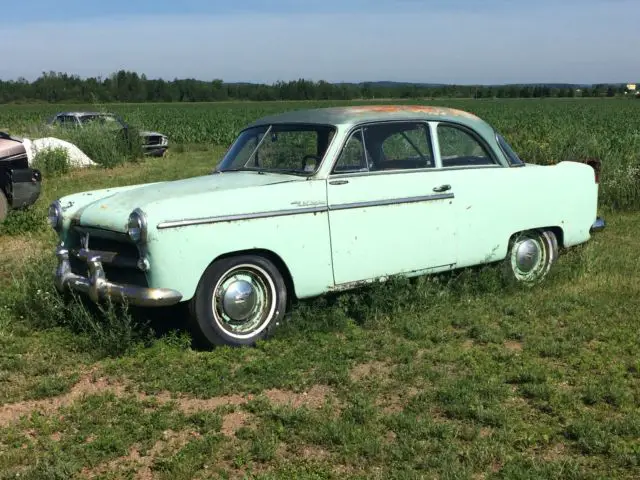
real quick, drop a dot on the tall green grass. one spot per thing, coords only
(107, 147)
(542, 131)
(105, 330)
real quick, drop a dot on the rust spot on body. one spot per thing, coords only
(440, 111)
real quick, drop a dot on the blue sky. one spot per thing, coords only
(448, 41)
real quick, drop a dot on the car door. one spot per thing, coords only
(487, 193)
(390, 210)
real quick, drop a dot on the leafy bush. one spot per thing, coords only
(52, 162)
(108, 148)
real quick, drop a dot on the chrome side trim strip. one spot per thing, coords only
(241, 216)
(392, 201)
(301, 211)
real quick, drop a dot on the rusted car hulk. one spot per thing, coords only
(19, 184)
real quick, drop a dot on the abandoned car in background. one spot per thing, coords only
(313, 201)
(20, 185)
(153, 143)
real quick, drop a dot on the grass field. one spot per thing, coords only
(446, 377)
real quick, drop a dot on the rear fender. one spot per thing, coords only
(23, 186)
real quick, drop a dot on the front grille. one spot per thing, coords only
(119, 260)
(154, 140)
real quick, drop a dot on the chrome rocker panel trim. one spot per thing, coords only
(97, 287)
(598, 225)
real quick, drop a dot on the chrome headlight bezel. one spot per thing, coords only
(137, 227)
(54, 216)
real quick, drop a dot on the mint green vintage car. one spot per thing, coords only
(313, 201)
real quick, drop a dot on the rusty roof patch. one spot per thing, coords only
(358, 113)
(443, 111)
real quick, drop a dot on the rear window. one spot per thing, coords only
(514, 159)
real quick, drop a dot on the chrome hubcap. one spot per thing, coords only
(239, 299)
(527, 255)
(244, 301)
(528, 258)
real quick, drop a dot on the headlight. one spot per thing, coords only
(137, 226)
(54, 216)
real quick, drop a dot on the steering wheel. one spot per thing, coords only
(316, 160)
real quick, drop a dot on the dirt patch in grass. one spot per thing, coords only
(87, 385)
(232, 422)
(134, 461)
(552, 453)
(376, 369)
(193, 405)
(314, 398)
(513, 346)
(392, 403)
(91, 384)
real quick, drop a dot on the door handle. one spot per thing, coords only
(442, 188)
(338, 182)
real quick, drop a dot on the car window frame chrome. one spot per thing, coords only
(499, 136)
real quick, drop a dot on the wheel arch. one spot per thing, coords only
(557, 231)
(275, 259)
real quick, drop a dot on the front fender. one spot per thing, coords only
(179, 256)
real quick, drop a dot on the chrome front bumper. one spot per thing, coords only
(598, 225)
(97, 287)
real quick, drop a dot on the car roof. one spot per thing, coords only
(351, 115)
(84, 114)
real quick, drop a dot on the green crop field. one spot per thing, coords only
(446, 377)
(541, 131)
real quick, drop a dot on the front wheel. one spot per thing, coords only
(239, 300)
(531, 255)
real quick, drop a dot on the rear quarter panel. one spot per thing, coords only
(495, 203)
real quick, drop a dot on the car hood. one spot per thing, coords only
(111, 211)
(10, 147)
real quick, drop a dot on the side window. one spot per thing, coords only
(67, 121)
(352, 157)
(399, 146)
(459, 148)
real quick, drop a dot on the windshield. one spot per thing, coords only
(512, 156)
(283, 148)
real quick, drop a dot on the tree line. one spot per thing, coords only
(125, 86)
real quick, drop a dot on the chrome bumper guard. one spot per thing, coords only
(598, 225)
(97, 287)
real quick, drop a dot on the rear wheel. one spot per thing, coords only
(239, 300)
(531, 255)
(4, 206)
